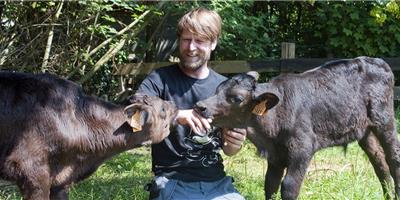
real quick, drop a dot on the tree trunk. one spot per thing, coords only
(50, 39)
(110, 53)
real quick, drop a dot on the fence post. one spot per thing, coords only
(288, 50)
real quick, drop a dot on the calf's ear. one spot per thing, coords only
(254, 74)
(264, 102)
(136, 116)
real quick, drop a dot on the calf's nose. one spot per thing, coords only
(200, 107)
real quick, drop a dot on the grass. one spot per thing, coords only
(331, 175)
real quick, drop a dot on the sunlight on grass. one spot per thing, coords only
(331, 175)
(120, 178)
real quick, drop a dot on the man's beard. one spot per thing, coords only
(186, 61)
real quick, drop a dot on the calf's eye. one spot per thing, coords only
(236, 100)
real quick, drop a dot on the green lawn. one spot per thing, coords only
(331, 175)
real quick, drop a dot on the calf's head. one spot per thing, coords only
(150, 115)
(235, 100)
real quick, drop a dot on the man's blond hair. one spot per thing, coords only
(201, 22)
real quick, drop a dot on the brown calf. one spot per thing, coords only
(53, 135)
(334, 104)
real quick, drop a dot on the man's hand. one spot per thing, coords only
(233, 140)
(199, 124)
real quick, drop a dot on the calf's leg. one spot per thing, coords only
(34, 184)
(299, 156)
(294, 177)
(387, 136)
(273, 179)
(370, 145)
(28, 164)
(59, 193)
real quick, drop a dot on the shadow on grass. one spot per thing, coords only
(122, 177)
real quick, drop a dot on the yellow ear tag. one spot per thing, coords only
(260, 109)
(135, 122)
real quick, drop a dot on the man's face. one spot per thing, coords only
(194, 51)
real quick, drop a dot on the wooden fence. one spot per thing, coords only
(296, 65)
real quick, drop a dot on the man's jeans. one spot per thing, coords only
(170, 189)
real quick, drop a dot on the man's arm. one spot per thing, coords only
(233, 140)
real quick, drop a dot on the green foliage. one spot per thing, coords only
(82, 26)
(368, 29)
(239, 39)
(251, 30)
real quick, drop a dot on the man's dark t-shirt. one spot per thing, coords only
(179, 156)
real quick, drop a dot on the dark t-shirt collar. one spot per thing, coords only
(191, 79)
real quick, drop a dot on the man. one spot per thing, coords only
(187, 164)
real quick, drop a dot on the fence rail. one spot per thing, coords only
(239, 66)
(296, 65)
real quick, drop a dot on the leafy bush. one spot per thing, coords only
(251, 30)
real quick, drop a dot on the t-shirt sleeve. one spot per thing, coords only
(151, 85)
